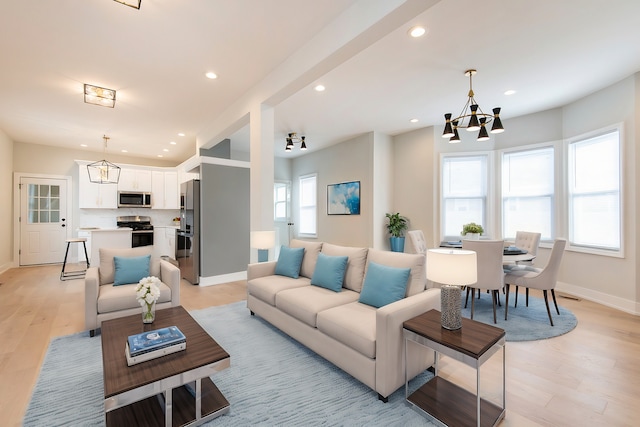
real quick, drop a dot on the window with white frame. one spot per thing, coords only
(280, 201)
(464, 192)
(308, 205)
(594, 191)
(528, 192)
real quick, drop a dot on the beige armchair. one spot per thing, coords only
(104, 301)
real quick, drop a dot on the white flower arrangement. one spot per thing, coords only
(147, 291)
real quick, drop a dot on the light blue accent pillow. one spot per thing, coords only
(329, 272)
(384, 285)
(130, 269)
(289, 262)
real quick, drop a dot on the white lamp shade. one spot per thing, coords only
(452, 266)
(263, 239)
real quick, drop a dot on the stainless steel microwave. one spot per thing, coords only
(132, 199)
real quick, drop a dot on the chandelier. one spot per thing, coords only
(131, 3)
(103, 172)
(472, 118)
(292, 138)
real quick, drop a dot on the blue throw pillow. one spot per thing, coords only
(329, 272)
(384, 285)
(289, 262)
(130, 269)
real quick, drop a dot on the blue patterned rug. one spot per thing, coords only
(523, 323)
(283, 384)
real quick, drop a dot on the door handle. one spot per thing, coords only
(64, 225)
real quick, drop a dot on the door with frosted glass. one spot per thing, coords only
(43, 220)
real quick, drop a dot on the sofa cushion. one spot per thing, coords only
(118, 298)
(384, 285)
(289, 262)
(354, 274)
(130, 269)
(352, 324)
(265, 288)
(311, 251)
(107, 267)
(416, 262)
(329, 272)
(305, 303)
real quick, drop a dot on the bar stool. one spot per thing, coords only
(78, 274)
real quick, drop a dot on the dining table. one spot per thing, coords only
(511, 254)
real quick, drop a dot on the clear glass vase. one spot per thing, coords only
(148, 312)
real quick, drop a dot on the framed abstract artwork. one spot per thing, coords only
(343, 198)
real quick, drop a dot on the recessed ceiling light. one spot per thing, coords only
(414, 120)
(83, 145)
(510, 92)
(172, 143)
(159, 155)
(417, 31)
(319, 88)
(211, 75)
(124, 151)
(181, 134)
(166, 150)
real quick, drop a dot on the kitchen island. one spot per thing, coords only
(104, 238)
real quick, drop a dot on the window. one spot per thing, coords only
(43, 204)
(528, 192)
(280, 201)
(464, 192)
(308, 202)
(594, 191)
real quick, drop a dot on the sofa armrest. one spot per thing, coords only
(91, 288)
(261, 269)
(390, 340)
(170, 276)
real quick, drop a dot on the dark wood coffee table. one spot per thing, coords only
(473, 344)
(171, 390)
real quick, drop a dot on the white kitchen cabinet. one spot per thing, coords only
(164, 241)
(135, 180)
(95, 196)
(164, 190)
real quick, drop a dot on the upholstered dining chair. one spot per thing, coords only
(490, 273)
(418, 241)
(537, 278)
(529, 241)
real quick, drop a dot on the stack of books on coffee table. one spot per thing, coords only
(152, 344)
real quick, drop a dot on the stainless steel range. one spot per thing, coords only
(142, 234)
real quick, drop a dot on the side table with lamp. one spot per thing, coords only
(464, 340)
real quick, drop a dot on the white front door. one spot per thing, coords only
(43, 220)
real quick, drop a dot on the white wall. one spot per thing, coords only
(6, 195)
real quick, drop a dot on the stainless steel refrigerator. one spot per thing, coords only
(188, 236)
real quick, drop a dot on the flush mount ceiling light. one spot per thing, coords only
(99, 96)
(103, 172)
(293, 139)
(472, 118)
(131, 3)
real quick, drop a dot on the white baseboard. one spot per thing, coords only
(6, 266)
(223, 278)
(628, 306)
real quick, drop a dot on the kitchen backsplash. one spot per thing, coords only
(106, 218)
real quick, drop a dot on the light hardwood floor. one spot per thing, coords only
(588, 377)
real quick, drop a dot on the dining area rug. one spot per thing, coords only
(523, 323)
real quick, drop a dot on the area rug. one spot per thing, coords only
(523, 323)
(272, 381)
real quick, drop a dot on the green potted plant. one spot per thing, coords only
(472, 230)
(396, 226)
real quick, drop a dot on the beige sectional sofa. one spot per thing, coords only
(361, 339)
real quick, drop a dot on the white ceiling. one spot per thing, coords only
(551, 52)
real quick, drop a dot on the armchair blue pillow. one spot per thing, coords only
(289, 262)
(130, 269)
(384, 285)
(329, 272)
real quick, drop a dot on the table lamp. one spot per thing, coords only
(263, 241)
(452, 268)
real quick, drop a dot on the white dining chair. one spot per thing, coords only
(529, 241)
(418, 241)
(490, 273)
(537, 278)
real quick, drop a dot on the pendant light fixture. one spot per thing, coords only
(293, 139)
(103, 172)
(131, 3)
(472, 118)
